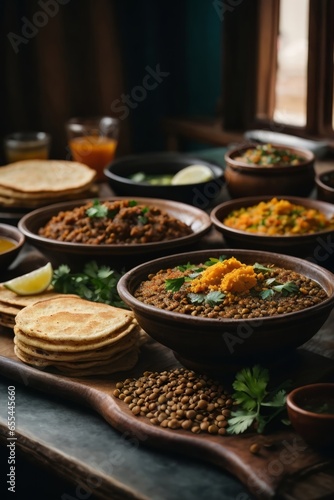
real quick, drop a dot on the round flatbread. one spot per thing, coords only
(73, 321)
(48, 176)
(101, 353)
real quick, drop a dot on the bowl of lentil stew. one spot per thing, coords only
(296, 226)
(117, 231)
(249, 327)
(255, 170)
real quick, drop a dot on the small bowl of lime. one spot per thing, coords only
(171, 176)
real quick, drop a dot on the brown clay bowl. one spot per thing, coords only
(311, 413)
(117, 256)
(317, 247)
(11, 233)
(244, 179)
(212, 345)
(325, 186)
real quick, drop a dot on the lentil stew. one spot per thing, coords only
(114, 222)
(228, 289)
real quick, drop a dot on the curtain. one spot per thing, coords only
(60, 58)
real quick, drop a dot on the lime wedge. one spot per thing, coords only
(193, 174)
(36, 281)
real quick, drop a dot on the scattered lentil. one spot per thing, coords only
(204, 411)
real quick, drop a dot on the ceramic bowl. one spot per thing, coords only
(214, 345)
(316, 246)
(325, 186)
(114, 255)
(15, 236)
(244, 179)
(311, 413)
(201, 195)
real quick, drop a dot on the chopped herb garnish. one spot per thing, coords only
(97, 210)
(98, 284)
(174, 285)
(251, 395)
(258, 267)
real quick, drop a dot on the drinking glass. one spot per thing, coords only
(27, 146)
(93, 141)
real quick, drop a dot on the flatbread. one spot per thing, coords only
(48, 176)
(101, 353)
(35, 202)
(73, 321)
(80, 346)
(20, 301)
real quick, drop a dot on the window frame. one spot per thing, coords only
(249, 41)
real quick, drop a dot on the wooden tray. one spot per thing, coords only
(276, 468)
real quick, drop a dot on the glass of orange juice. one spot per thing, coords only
(93, 141)
(27, 146)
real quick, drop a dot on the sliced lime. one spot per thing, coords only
(193, 174)
(35, 282)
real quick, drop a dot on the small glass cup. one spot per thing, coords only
(27, 146)
(93, 141)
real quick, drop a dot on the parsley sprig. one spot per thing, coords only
(252, 396)
(285, 289)
(98, 284)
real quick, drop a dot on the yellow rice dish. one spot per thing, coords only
(278, 217)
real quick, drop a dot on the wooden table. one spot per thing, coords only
(83, 456)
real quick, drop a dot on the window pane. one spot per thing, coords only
(292, 54)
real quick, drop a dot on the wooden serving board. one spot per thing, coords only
(283, 458)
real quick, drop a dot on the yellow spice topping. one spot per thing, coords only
(227, 276)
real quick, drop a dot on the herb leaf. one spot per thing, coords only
(174, 285)
(97, 210)
(214, 298)
(260, 268)
(251, 395)
(98, 284)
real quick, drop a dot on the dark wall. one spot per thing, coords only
(138, 60)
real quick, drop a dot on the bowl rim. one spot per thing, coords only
(217, 170)
(292, 395)
(250, 200)
(319, 180)
(116, 249)
(12, 230)
(171, 316)
(237, 164)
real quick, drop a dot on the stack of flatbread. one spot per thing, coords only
(11, 303)
(77, 337)
(34, 183)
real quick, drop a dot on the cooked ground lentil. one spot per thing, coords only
(278, 217)
(178, 399)
(127, 222)
(277, 291)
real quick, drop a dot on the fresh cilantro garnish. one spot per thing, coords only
(285, 288)
(99, 210)
(213, 260)
(212, 298)
(132, 203)
(196, 298)
(174, 284)
(260, 268)
(98, 284)
(185, 267)
(251, 396)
